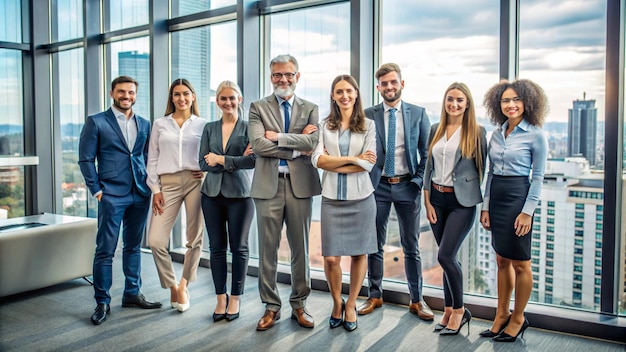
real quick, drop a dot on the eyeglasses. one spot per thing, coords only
(508, 100)
(288, 75)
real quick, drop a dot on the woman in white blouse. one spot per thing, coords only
(175, 177)
(452, 178)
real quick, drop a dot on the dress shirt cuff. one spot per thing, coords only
(296, 153)
(486, 204)
(529, 208)
(97, 194)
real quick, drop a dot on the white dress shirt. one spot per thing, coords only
(173, 148)
(401, 165)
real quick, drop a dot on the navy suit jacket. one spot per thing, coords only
(118, 168)
(416, 128)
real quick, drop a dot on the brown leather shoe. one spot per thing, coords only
(422, 310)
(369, 305)
(303, 317)
(268, 320)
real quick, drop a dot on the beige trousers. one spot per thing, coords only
(177, 188)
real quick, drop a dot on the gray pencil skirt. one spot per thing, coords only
(348, 226)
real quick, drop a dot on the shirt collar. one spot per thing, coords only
(523, 125)
(118, 114)
(281, 100)
(397, 106)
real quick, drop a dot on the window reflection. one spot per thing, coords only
(127, 13)
(11, 103)
(187, 7)
(564, 51)
(11, 27)
(71, 115)
(319, 38)
(68, 19)
(205, 56)
(11, 192)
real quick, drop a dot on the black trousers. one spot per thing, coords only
(228, 222)
(453, 224)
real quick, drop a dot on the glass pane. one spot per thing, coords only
(128, 13)
(69, 20)
(205, 56)
(12, 192)
(11, 102)
(455, 47)
(11, 24)
(319, 38)
(187, 7)
(563, 50)
(132, 58)
(71, 110)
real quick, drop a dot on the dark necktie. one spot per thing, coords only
(390, 154)
(285, 105)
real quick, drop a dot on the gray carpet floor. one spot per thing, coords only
(57, 319)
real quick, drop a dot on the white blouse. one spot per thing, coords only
(173, 148)
(444, 154)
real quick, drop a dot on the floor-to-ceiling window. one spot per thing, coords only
(319, 38)
(436, 44)
(563, 50)
(11, 103)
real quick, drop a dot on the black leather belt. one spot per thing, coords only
(283, 174)
(395, 179)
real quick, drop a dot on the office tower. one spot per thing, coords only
(137, 66)
(582, 122)
(190, 56)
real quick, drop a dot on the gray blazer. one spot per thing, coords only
(466, 178)
(232, 179)
(265, 115)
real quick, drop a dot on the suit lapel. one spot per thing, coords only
(235, 132)
(379, 120)
(112, 120)
(275, 110)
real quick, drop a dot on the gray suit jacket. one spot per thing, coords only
(416, 126)
(232, 179)
(466, 178)
(265, 115)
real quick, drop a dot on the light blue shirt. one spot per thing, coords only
(285, 168)
(522, 153)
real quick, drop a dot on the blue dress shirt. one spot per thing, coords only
(523, 152)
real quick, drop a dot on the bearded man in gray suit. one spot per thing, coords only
(283, 132)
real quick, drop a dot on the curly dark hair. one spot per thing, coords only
(534, 98)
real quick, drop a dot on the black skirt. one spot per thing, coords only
(507, 197)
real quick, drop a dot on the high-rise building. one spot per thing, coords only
(582, 122)
(137, 66)
(566, 244)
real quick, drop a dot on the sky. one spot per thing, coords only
(562, 46)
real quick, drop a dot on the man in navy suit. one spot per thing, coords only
(401, 133)
(117, 140)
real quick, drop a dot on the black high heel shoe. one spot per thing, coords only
(467, 316)
(336, 322)
(351, 325)
(491, 334)
(504, 337)
(439, 327)
(221, 316)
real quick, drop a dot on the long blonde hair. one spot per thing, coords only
(470, 130)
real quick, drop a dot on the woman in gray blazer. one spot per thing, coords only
(225, 154)
(454, 172)
(346, 151)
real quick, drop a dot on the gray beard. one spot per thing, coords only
(285, 92)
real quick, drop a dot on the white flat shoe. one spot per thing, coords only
(184, 306)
